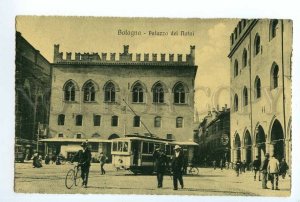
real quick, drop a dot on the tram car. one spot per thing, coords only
(135, 152)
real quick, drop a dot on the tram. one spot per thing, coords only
(134, 152)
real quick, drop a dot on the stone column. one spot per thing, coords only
(244, 153)
(255, 151)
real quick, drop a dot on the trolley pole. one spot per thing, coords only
(140, 120)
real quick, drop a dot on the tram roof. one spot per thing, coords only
(141, 137)
(73, 140)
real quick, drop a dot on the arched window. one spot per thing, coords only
(257, 87)
(273, 28)
(158, 93)
(79, 120)
(136, 121)
(245, 96)
(157, 122)
(236, 103)
(61, 120)
(69, 90)
(89, 92)
(257, 44)
(137, 93)
(244, 58)
(179, 122)
(179, 93)
(274, 76)
(110, 92)
(236, 68)
(114, 120)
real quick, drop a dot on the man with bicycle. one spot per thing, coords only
(84, 161)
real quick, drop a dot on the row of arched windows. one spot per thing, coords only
(138, 92)
(256, 45)
(115, 121)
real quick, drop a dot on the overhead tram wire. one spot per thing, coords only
(140, 119)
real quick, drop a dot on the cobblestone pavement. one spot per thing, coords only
(51, 179)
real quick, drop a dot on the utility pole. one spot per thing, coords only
(38, 138)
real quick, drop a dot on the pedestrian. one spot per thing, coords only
(214, 164)
(244, 165)
(47, 159)
(273, 170)
(177, 167)
(283, 167)
(238, 164)
(161, 164)
(84, 161)
(264, 171)
(227, 165)
(102, 160)
(221, 164)
(36, 162)
(256, 165)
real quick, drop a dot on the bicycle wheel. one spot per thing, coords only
(77, 177)
(194, 171)
(70, 179)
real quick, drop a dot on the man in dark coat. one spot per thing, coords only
(256, 165)
(264, 170)
(84, 161)
(161, 163)
(283, 167)
(177, 167)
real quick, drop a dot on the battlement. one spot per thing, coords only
(124, 58)
(239, 31)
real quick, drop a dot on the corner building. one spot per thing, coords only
(260, 55)
(98, 98)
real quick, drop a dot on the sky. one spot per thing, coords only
(96, 34)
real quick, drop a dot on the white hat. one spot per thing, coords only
(177, 147)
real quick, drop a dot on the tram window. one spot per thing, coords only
(125, 147)
(120, 146)
(115, 146)
(145, 147)
(151, 148)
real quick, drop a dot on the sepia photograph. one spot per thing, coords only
(153, 106)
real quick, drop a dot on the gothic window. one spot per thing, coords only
(273, 28)
(179, 122)
(158, 93)
(79, 120)
(236, 68)
(110, 92)
(245, 58)
(157, 122)
(69, 90)
(274, 76)
(97, 120)
(236, 103)
(136, 121)
(245, 96)
(137, 93)
(179, 94)
(61, 120)
(257, 44)
(114, 120)
(89, 92)
(257, 87)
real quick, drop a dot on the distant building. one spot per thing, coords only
(214, 137)
(32, 88)
(260, 55)
(99, 97)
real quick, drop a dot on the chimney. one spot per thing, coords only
(192, 55)
(112, 56)
(126, 49)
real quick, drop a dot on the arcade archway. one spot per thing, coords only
(237, 147)
(248, 147)
(277, 140)
(260, 142)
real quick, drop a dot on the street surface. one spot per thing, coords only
(51, 179)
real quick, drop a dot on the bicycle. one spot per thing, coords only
(73, 176)
(192, 170)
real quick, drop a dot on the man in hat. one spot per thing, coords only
(264, 171)
(102, 160)
(273, 170)
(177, 166)
(161, 163)
(256, 165)
(84, 161)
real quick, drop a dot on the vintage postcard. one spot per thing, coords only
(162, 106)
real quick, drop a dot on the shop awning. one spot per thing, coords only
(187, 143)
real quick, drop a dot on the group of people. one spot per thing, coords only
(162, 165)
